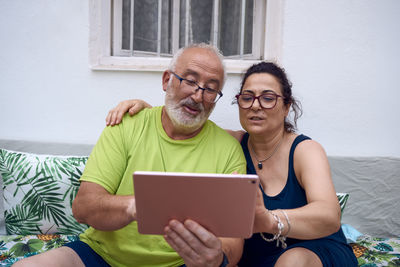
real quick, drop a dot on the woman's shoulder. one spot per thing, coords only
(310, 162)
(238, 135)
(308, 147)
(306, 143)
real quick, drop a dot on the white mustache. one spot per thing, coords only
(192, 104)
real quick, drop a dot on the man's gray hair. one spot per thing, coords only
(213, 49)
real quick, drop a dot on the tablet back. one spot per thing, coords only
(222, 203)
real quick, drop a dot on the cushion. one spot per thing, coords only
(38, 191)
(351, 233)
(342, 197)
(16, 247)
(376, 251)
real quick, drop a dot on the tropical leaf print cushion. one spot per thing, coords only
(38, 192)
(342, 198)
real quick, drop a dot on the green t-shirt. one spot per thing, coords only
(140, 143)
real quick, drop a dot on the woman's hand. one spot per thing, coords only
(262, 222)
(132, 106)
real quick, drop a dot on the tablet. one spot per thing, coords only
(224, 204)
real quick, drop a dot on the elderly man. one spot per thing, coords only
(177, 137)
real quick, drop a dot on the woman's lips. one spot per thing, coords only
(256, 118)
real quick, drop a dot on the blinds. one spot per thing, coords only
(161, 27)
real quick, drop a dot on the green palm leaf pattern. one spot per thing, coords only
(379, 252)
(342, 198)
(13, 169)
(39, 191)
(20, 219)
(15, 248)
(44, 200)
(70, 226)
(56, 243)
(33, 245)
(73, 184)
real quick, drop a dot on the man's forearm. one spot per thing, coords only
(94, 206)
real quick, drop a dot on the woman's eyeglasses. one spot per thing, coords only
(266, 100)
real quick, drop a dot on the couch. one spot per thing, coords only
(45, 175)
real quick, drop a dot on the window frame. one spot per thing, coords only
(101, 41)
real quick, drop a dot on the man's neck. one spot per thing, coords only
(175, 132)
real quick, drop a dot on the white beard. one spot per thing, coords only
(182, 119)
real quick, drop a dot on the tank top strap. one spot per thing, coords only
(250, 167)
(300, 138)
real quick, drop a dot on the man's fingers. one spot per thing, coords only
(189, 257)
(178, 242)
(179, 230)
(208, 239)
(194, 244)
(171, 242)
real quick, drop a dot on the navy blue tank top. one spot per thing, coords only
(258, 252)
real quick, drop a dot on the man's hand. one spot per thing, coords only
(194, 244)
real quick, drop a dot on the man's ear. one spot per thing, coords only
(165, 79)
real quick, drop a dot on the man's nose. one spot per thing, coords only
(197, 96)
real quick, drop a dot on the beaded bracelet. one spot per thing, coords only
(277, 236)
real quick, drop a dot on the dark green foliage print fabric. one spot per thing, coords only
(38, 192)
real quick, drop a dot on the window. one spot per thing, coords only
(144, 34)
(161, 27)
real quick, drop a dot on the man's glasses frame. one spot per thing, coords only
(191, 83)
(271, 104)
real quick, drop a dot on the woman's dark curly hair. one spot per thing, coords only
(286, 86)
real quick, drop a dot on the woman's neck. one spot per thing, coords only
(263, 144)
(262, 149)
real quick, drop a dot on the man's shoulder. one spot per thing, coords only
(219, 133)
(132, 124)
(144, 115)
(226, 150)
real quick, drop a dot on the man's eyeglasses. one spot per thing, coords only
(267, 100)
(191, 87)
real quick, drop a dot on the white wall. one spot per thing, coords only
(341, 56)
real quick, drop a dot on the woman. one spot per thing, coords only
(297, 220)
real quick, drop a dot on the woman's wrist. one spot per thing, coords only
(277, 234)
(263, 222)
